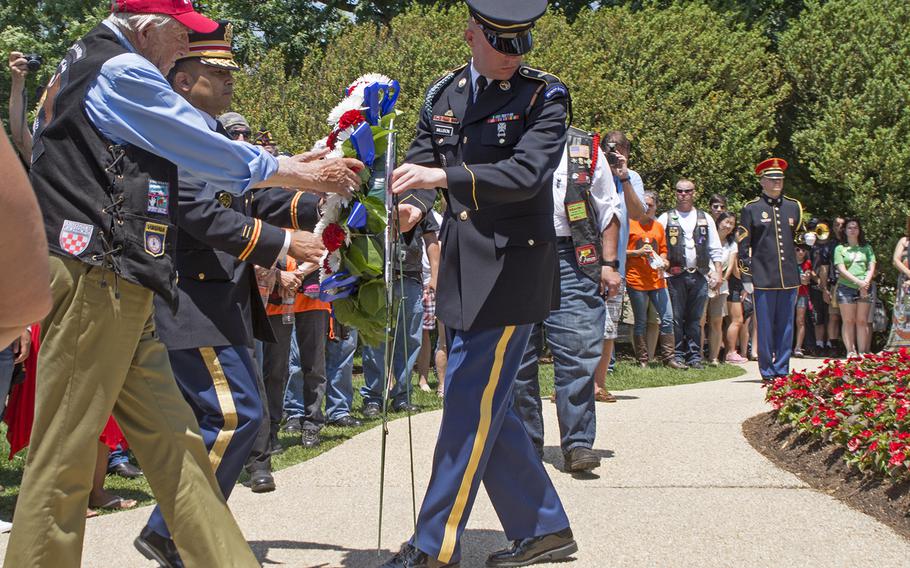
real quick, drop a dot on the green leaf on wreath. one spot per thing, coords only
(372, 298)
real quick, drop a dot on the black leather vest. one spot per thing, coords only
(582, 216)
(104, 204)
(676, 243)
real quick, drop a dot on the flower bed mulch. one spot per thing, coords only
(845, 430)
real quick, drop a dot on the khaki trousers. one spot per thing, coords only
(99, 354)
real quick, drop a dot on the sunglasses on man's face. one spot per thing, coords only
(684, 191)
(238, 132)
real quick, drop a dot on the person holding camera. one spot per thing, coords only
(630, 204)
(20, 65)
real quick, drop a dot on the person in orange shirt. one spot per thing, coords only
(295, 315)
(647, 258)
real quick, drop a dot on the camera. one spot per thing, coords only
(33, 61)
(611, 154)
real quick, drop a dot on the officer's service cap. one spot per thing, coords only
(507, 23)
(771, 168)
(214, 48)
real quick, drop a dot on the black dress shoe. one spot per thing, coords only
(262, 482)
(292, 426)
(581, 459)
(346, 421)
(405, 406)
(371, 410)
(126, 470)
(412, 557)
(527, 551)
(158, 549)
(309, 438)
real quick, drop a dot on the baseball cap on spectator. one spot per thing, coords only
(180, 10)
(231, 120)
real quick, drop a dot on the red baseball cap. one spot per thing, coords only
(180, 10)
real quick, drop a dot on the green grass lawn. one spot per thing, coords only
(626, 376)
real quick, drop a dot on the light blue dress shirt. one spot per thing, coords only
(639, 187)
(130, 102)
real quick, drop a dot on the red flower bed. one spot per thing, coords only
(861, 404)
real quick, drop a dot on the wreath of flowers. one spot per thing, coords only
(351, 273)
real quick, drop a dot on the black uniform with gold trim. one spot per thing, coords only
(218, 242)
(766, 236)
(210, 336)
(498, 153)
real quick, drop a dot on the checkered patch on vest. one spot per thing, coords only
(75, 237)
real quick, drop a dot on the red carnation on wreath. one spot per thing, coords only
(350, 118)
(333, 237)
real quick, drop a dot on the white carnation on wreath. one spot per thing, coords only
(355, 90)
(348, 104)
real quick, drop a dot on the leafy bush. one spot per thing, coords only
(849, 64)
(699, 101)
(861, 404)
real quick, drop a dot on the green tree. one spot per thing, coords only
(849, 63)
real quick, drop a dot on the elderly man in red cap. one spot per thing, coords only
(767, 260)
(110, 136)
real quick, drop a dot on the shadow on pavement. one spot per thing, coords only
(476, 545)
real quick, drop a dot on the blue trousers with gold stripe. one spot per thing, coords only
(774, 310)
(482, 439)
(220, 383)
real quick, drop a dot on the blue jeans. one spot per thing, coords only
(688, 294)
(6, 375)
(293, 396)
(661, 300)
(575, 334)
(408, 336)
(339, 367)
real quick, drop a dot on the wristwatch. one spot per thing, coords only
(610, 263)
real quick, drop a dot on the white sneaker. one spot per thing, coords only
(5, 527)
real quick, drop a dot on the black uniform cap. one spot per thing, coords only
(507, 23)
(214, 48)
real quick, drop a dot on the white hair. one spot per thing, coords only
(136, 23)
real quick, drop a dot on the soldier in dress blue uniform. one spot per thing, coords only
(767, 259)
(210, 336)
(490, 135)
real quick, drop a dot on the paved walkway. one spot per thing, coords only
(679, 486)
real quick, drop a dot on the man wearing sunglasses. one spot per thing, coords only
(490, 135)
(695, 254)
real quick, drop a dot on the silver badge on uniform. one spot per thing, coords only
(501, 131)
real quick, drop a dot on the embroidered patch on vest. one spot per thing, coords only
(155, 233)
(576, 211)
(579, 151)
(75, 237)
(585, 255)
(158, 197)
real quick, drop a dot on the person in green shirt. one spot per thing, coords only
(855, 263)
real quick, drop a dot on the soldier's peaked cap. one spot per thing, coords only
(508, 16)
(214, 48)
(771, 168)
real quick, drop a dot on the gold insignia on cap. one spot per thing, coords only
(229, 33)
(462, 83)
(505, 85)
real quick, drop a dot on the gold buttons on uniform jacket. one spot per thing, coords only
(465, 140)
(463, 215)
(530, 242)
(202, 275)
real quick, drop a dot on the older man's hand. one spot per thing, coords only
(306, 171)
(18, 67)
(306, 247)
